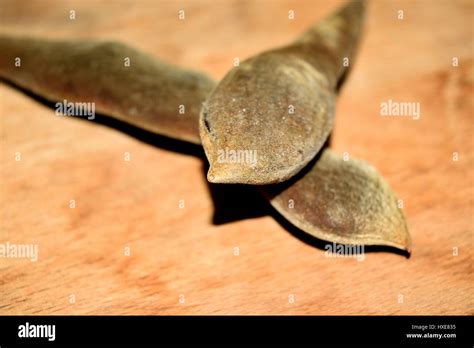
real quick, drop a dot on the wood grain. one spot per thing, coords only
(180, 251)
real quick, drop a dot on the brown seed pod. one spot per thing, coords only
(278, 106)
(335, 200)
(122, 82)
(342, 201)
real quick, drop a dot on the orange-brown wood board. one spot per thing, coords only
(129, 247)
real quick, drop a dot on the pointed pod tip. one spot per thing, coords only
(221, 175)
(211, 177)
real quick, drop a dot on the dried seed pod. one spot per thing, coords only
(335, 200)
(278, 106)
(342, 201)
(122, 82)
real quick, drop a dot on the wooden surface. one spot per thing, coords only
(176, 251)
